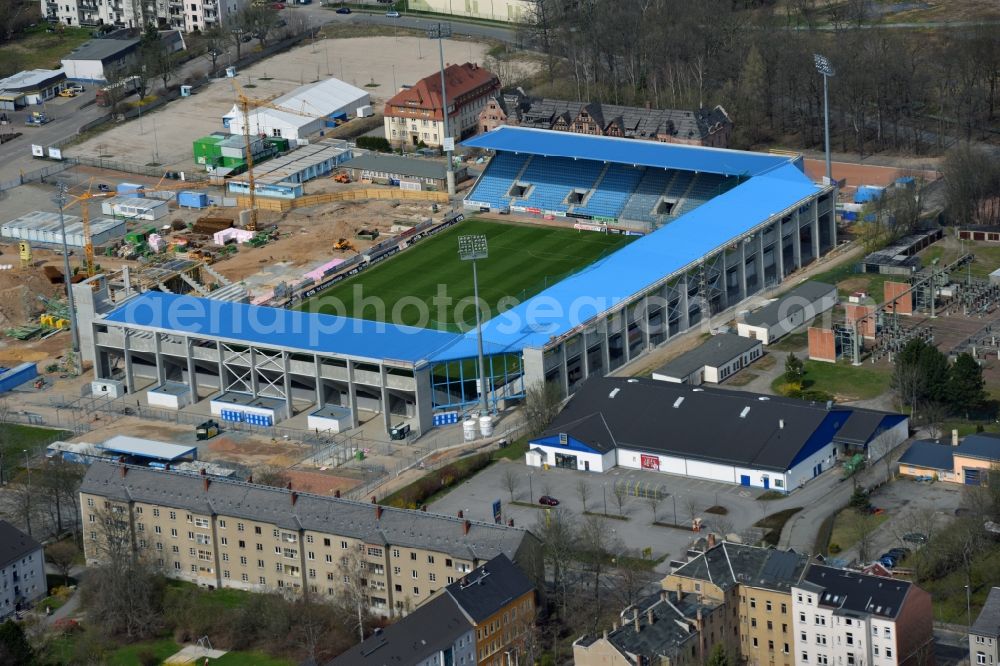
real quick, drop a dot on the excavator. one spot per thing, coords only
(344, 245)
(341, 177)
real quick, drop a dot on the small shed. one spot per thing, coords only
(793, 309)
(145, 451)
(714, 361)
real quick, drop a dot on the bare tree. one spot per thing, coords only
(541, 404)
(863, 527)
(271, 475)
(510, 481)
(597, 546)
(621, 496)
(354, 595)
(559, 546)
(313, 623)
(59, 483)
(653, 502)
(583, 492)
(691, 505)
(5, 438)
(62, 555)
(20, 503)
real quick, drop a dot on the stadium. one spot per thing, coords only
(611, 247)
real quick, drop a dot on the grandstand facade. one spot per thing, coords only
(717, 227)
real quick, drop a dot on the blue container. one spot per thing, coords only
(17, 376)
(192, 200)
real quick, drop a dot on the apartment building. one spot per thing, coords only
(414, 115)
(223, 533)
(22, 570)
(483, 619)
(753, 585)
(847, 618)
(185, 15)
(984, 636)
(666, 629)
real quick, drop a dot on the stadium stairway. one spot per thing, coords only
(651, 187)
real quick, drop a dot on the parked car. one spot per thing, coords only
(66, 92)
(392, 13)
(915, 537)
(887, 561)
(343, 10)
(548, 501)
(899, 553)
(75, 87)
(101, 187)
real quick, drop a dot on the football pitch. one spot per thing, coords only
(427, 284)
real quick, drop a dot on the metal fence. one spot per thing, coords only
(37, 175)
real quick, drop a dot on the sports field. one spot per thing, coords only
(426, 284)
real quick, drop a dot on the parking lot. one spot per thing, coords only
(638, 531)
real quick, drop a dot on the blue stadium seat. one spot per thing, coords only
(554, 178)
(651, 187)
(609, 198)
(497, 179)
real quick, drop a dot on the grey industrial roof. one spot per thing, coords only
(863, 425)
(988, 621)
(790, 302)
(982, 445)
(32, 79)
(668, 633)
(14, 544)
(146, 448)
(729, 564)
(931, 455)
(432, 627)
(399, 527)
(729, 427)
(853, 592)
(488, 588)
(102, 49)
(395, 164)
(716, 351)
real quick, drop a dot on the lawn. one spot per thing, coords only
(843, 381)
(523, 260)
(774, 523)
(15, 438)
(844, 533)
(37, 49)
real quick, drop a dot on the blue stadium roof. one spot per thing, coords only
(633, 268)
(309, 332)
(627, 151)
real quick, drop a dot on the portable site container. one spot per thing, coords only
(192, 200)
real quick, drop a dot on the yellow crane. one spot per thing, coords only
(245, 103)
(83, 200)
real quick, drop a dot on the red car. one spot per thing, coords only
(548, 501)
(278, 5)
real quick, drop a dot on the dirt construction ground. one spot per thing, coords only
(166, 135)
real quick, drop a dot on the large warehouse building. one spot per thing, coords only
(710, 257)
(729, 436)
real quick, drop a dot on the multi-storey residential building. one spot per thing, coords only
(666, 629)
(754, 587)
(437, 633)
(483, 619)
(984, 636)
(22, 570)
(846, 618)
(223, 533)
(499, 600)
(700, 127)
(414, 115)
(186, 15)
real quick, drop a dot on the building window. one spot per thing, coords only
(767, 606)
(753, 603)
(343, 545)
(416, 591)
(309, 538)
(173, 515)
(755, 641)
(413, 556)
(980, 657)
(222, 524)
(888, 653)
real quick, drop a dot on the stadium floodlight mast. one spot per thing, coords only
(471, 248)
(440, 32)
(824, 67)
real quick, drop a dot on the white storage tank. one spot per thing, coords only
(486, 426)
(469, 430)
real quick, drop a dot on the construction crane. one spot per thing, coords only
(83, 200)
(245, 103)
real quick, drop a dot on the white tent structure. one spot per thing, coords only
(310, 108)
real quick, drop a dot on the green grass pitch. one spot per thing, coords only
(523, 260)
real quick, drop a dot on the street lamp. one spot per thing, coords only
(74, 329)
(471, 248)
(440, 32)
(824, 67)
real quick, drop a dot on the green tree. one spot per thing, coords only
(794, 369)
(966, 385)
(14, 646)
(718, 656)
(921, 373)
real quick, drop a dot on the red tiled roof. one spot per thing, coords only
(460, 81)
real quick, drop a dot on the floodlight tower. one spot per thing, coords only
(440, 32)
(60, 201)
(824, 67)
(471, 248)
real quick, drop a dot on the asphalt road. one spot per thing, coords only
(316, 15)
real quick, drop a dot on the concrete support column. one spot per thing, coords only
(383, 380)
(563, 368)
(222, 367)
(352, 394)
(158, 355)
(743, 272)
(759, 261)
(422, 397)
(584, 356)
(192, 371)
(320, 393)
(645, 323)
(127, 352)
(605, 347)
(797, 242)
(683, 305)
(814, 221)
(779, 253)
(287, 378)
(254, 384)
